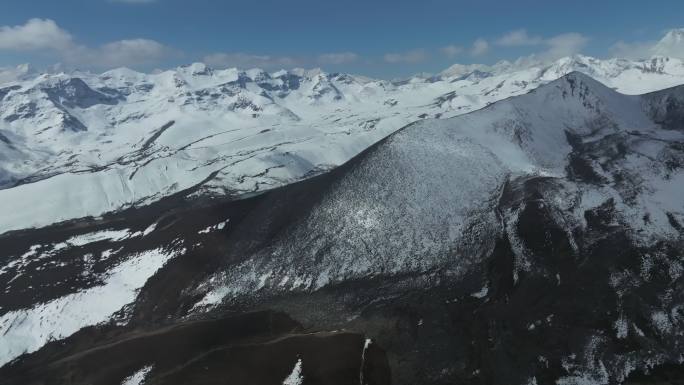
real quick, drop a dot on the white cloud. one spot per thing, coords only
(245, 60)
(633, 50)
(564, 45)
(452, 50)
(46, 37)
(129, 52)
(553, 48)
(518, 37)
(480, 47)
(414, 56)
(36, 34)
(337, 58)
(9, 74)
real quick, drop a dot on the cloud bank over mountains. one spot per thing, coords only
(45, 37)
(47, 40)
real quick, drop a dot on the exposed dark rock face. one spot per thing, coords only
(74, 92)
(667, 107)
(255, 348)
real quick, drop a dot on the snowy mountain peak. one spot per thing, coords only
(257, 74)
(462, 70)
(671, 44)
(576, 80)
(675, 35)
(593, 100)
(196, 69)
(308, 73)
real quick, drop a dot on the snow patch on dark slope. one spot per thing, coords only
(537, 240)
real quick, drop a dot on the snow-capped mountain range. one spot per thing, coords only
(537, 240)
(81, 144)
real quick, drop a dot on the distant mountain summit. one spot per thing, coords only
(672, 42)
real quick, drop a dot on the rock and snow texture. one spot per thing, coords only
(77, 145)
(26, 330)
(430, 190)
(593, 170)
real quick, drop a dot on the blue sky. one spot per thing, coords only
(379, 38)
